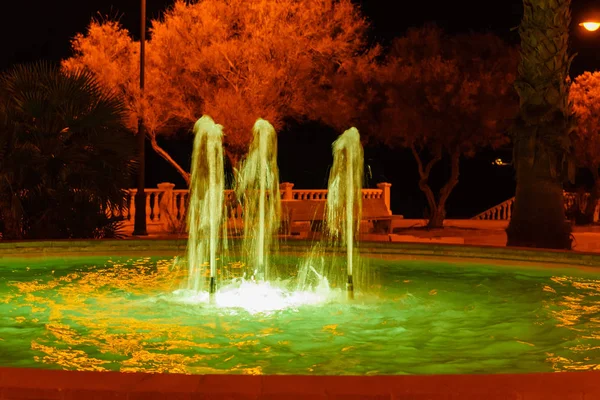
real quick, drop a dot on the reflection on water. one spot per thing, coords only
(577, 308)
(129, 315)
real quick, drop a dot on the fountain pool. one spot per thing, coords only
(446, 316)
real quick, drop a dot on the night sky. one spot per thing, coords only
(40, 30)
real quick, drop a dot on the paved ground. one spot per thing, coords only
(488, 233)
(457, 231)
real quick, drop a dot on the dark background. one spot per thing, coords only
(35, 30)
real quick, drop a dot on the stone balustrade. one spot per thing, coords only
(166, 207)
(503, 211)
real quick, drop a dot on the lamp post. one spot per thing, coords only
(591, 26)
(139, 227)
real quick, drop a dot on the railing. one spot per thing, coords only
(166, 207)
(503, 211)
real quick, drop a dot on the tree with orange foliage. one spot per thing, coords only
(445, 98)
(235, 60)
(584, 95)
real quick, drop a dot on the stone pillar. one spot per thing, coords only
(385, 188)
(166, 206)
(287, 187)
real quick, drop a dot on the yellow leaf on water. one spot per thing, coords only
(549, 289)
(332, 329)
(528, 344)
(433, 292)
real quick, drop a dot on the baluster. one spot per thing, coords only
(173, 205)
(155, 206)
(158, 197)
(148, 208)
(132, 205)
(176, 205)
(182, 210)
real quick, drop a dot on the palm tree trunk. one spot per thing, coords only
(541, 144)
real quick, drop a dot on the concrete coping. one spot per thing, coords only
(374, 249)
(17, 383)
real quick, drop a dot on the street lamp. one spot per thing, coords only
(591, 26)
(139, 227)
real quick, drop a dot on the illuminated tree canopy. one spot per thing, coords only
(234, 60)
(584, 95)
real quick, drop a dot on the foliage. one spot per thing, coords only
(432, 95)
(65, 156)
(584, 95)
(234, 60)
(444, 99)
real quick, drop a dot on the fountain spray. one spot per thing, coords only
(258, 187)
(344, 199)
(205, 210)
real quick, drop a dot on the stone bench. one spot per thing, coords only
(313, 212)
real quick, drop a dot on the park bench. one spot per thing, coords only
(313, 212)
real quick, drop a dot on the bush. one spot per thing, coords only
(65, 155)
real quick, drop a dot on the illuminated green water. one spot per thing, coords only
(428, 318)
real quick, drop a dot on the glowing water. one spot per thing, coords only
(344, 196)
(260, 297)
(205, 209)
(258, 189)
(99, 313)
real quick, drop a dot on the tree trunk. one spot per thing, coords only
(437, 209)
(436, 219)
(161, 152)
(541, 129)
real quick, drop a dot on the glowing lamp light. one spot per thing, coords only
(591, 26)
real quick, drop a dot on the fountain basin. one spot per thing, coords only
(541, 308)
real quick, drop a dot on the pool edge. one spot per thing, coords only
(161, 246)
(19, 383)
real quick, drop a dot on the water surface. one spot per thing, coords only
(126, 314)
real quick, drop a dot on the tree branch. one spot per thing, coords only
(424, 175)
(161, 152)
(234, 86)
(228, 60)
(453, 180)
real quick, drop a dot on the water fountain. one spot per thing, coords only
(205, 210)
(258, 190)
(344, 197)
(342, 220)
